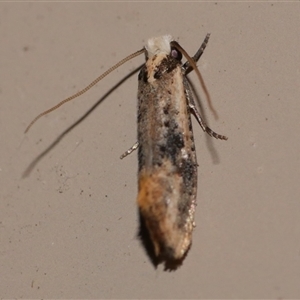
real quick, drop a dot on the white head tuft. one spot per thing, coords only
(158, 45)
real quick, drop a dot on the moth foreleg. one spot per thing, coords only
(130, 150)
(187, 67)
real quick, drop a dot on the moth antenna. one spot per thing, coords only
(194, 66)
(121, 62)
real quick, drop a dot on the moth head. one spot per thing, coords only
(159, 45)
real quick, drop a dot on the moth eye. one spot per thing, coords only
(176, 54)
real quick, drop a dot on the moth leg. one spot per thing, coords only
(196, 57)
(193, 108)
(204, 126)
(130, 150)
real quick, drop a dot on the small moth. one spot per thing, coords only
(167, 165)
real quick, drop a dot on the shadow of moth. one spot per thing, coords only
(167, 165)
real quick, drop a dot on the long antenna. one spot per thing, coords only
(121, 62)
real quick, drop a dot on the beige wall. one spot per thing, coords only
(69, 229)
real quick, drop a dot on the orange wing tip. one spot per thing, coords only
(169, 240)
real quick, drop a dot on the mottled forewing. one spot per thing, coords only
(167, 159)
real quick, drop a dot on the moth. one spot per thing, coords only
(167, 164)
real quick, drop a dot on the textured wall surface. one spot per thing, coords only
(69, 229)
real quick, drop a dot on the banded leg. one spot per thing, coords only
(193, 108)
(130, 150)
(196, 57)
